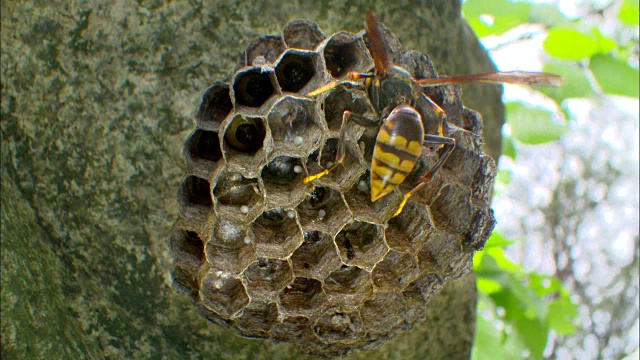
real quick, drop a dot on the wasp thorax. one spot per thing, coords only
(269, 253)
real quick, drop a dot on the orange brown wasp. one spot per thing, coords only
(401, 136)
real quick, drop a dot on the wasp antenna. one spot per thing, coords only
(510, 77)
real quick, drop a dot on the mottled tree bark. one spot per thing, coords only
(97, 100)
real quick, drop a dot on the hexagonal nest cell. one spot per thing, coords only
(302, 34)
(269, 253)
(195, 199)
(283, 180)
(348, 286)
(265, 49)
(237, 195)
(215, 107)
(304, 297)
(346, 96)
(296, 126)
(339, 326)
(265, 278)
(277, 233)
(361, 244)
(297, 70)
(230, 247)
(316, 257)
(252, 87)
(187, 250)
(324, 210)
(203, 152)
(243, 145)
(223, 294)
(343, 176)
(345, 52)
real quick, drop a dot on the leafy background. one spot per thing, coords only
(559, 278)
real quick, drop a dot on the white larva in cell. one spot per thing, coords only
(298, 140)
(247, 240)
(291, 214)
(297, 169)
(244, 209)
(218, 284)
(362, 185)
(321, 213)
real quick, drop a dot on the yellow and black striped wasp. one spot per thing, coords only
(394, 93)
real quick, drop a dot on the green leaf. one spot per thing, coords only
(479, 27)
(477, 260)
(508, 147)
(533, 125)
(488, 286)
(497, 240)
(488, 344)
(502, 24)
(615, 76)
(605, 43)
(513, 307)
(562, 315)
(506, 15)
(493, 264)
(544, 285)
(503, 179)
(571, 44)
(525, 314)
(485, 264)
(497, 254)
(475, 8)
(576, 83)
(533, 333)
(629, 13)
(533, 307)
(548, 15)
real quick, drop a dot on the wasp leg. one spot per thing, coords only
(442, 115)
(322, 89)
(353, 76)
(430, 140)
(346, 116)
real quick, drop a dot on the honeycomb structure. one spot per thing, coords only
(319, 264)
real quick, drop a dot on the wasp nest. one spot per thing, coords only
(319, 264)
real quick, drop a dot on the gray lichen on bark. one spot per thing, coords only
(96, 103)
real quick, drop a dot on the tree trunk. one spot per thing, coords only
(96, 104)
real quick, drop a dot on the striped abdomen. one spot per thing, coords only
(398, 147)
